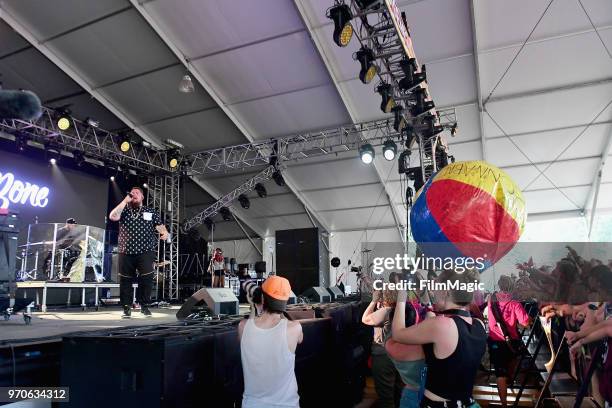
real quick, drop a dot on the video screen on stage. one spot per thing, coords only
(50, 193)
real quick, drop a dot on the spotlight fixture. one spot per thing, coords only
(432, 128)
(186, 84)
(125, 144)
(261, 190)
(63, 122)
(366, 152)
(53, 154)
(411, 77)
(422, 105)
(278, 178)
(174, 144)
(368, 4)
(365, 56)
(21, 142)
(386, 92)
(92, 122)
(343, 30)
(173, 159)
(389, 149)
(398, 118)
(244, 201)
(454, 129)
(225, 213)
(79, 158)
(112, 178)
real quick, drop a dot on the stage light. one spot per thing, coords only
(53, 154)
(365, 56)
(225, 213)
(278, 178)
(244, 201)
(343, 30)
(261, 190)
(398, 118)
(389, 149)
(411, 77)
(173, 159)
(21, 142)
(454, 129)
(112, 178)
(421, 105)
(186, 84)
(79, 158)
(366, 152)
(174, 144)
(366, 4)
(63, 123)
(125, 144)
(145, 185)
(386, 93)
(92, 122)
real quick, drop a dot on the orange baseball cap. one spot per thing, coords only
(277, 288)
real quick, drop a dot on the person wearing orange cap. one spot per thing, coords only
(267, 348)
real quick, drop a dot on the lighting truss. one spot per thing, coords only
(226, 200)
(382, 28)
(300, 146)
(93, 142)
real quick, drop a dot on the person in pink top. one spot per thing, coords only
(503, 355)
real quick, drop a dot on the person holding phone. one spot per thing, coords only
(140, 228)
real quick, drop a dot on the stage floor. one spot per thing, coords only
(57, 323)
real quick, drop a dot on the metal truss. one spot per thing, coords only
(301, 146)
(382, 28)
(163, 195)
(92, 142)
(227, 199)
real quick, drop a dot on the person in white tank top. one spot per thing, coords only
(267, 348)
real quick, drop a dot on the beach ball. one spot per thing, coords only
(468, 209)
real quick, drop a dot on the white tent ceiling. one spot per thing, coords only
(270, 71)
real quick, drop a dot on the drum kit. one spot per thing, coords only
(64, 259)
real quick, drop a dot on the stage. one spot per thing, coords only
(57, 323)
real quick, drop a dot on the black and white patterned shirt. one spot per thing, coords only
(137, 233)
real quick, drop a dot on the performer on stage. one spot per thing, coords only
(217, 268)
(139, 227)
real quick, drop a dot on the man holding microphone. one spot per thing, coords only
(140, 228)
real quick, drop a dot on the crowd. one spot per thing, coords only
(427, 348)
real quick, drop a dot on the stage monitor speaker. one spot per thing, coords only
(221, 301)
(335, 293)
(317, 294)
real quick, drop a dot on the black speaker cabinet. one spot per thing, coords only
(335, 293)
(148, 370)
(317, 294)
(297, 257)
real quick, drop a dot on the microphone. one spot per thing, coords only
(22, 105)
(130, 194)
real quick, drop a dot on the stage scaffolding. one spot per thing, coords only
(164, 195)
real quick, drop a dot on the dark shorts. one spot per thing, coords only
(501, 356)
(219, 272)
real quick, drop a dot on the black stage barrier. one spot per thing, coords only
(197, 363)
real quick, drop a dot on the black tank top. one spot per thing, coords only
(453, 378)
